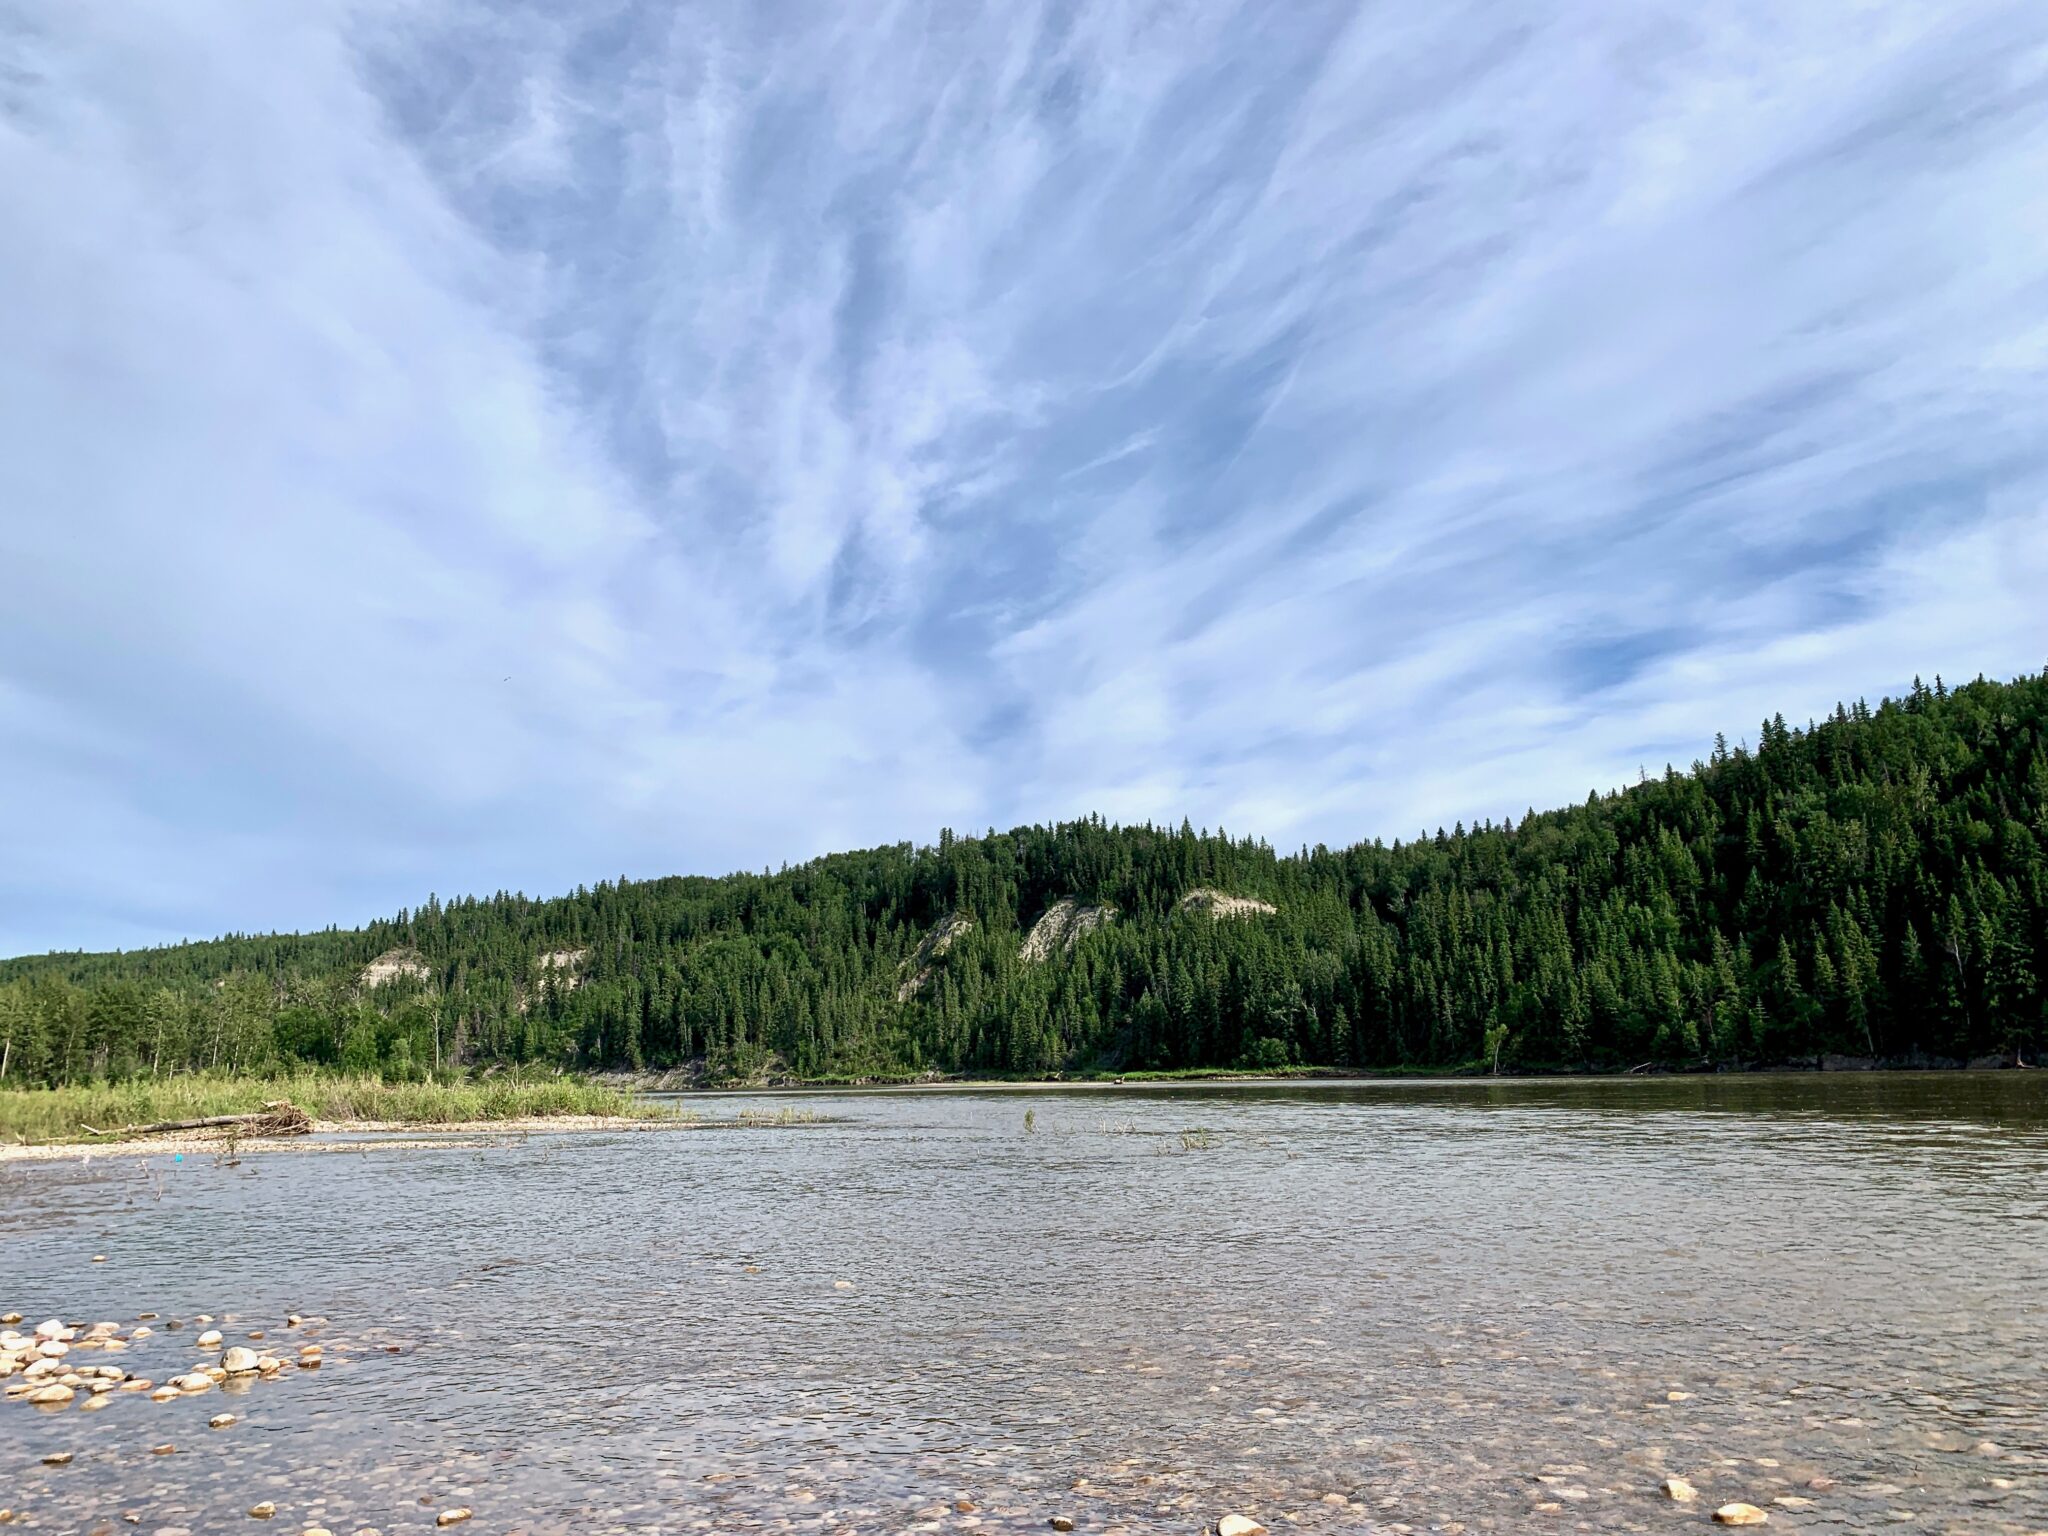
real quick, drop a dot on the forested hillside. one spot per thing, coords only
(1872, 885)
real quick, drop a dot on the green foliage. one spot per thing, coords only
(1873, 884)
(46, 1114)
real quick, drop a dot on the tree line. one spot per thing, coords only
(1871, 885)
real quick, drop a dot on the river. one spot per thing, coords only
(1407, 1306)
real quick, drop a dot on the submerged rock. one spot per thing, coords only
(210, 1339)
(240, 1361)
(220, 1421)
(56, 1392)
(1739, 1514)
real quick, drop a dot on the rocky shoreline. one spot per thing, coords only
(347, 1136)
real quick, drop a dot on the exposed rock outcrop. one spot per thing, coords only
(568, 962)
(1220, 904)
(393, 964)
(1065, 921)
(944, 934)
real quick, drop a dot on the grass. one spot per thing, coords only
(62, 1114)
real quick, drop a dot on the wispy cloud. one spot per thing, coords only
(461, 445)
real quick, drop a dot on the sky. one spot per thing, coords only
(454, 446)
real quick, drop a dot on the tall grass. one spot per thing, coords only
(62, 1114)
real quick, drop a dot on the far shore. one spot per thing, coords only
(694, 1082)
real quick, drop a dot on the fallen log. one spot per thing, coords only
(279, 1119)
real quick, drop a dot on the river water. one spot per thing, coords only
(1387, 1307)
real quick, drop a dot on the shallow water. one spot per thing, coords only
(1378, 1307)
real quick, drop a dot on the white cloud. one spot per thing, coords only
(461, 445)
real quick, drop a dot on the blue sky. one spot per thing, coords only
(453, 446)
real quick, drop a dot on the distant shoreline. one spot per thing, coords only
(692, 1081)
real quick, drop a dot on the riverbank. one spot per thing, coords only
(115, 1115)
(700, 1077)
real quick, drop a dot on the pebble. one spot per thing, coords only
(220, 1421)
(1679, 1489)
(1060, 1523)
(452, 1516)
(240, 1361)
(1739, 1514)
(210, 1339)
(316, 1530)
(164, 1394)
(1239, 1525)
(57, 1459)
(99, 1258)
(262, 1511)
(165, 1449)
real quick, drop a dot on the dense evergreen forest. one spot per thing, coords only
(1872, 885)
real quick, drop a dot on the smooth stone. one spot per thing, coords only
(163, 1450)
(164, 1394)
(262, 1511)
(1739, 1514)
(316, 1530)
(56, 1392)
(210, 1339)
(220, 1421)
(452, 1516)
(142, 1333)
(1681, 1490)
(240, 1361)
(57, 1459)
(99, 1258)
(193, 1381)
(1239, 1525)
(1060, 1523)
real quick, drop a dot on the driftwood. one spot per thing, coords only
(282, 1118)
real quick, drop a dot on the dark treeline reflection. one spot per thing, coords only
(1872, 885)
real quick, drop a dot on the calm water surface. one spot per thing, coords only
(1386, 1307)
